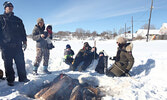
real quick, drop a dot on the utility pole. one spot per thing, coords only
(125, 29)
(132, 28)
(149, 21)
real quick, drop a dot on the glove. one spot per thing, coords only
(24, 46)
(72, 62)
(93, 49)
(112, 58)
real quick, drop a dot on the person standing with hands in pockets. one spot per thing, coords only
(12, 40)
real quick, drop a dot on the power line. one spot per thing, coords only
(146, 12)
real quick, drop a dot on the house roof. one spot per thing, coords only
(143, 32)
(163, 29)
(128, 35)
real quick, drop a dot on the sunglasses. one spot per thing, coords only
(49, 28)
(9, 5)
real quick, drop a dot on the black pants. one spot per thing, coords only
(69, 61)
(86, 62)
(16, 53)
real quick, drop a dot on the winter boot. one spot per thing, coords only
(25, 80)
(35, 70)
(45, 70)
(81, 68)
(72, 67)
(11, 83)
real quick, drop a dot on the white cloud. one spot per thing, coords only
(95, 9)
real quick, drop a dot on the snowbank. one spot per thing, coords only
(148, 79)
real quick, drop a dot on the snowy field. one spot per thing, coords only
(148, 81)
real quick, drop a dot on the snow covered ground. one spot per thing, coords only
(148, 81)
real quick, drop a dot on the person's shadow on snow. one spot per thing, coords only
(144, 67)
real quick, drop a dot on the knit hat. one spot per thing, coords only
(86, 44)
(40, 20)
(48, 26)
(121, 40)
(101, 52)
(7, 4)
(68, 46)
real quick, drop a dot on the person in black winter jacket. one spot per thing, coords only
(12, 39)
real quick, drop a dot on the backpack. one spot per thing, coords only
(102, 63)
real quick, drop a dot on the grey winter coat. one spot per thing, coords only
(41, 42)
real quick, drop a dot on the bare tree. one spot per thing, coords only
(88, 34)
(79, 33)
(103, 33)
(94, 33)
(145, 26)
(106, 35)
(121, 31)
(115, 34)
(109, 32)
(63, 33)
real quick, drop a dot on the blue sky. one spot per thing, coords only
(93, 15)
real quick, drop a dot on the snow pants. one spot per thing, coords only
(42, 52)
(16, 53)
(77, 61)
